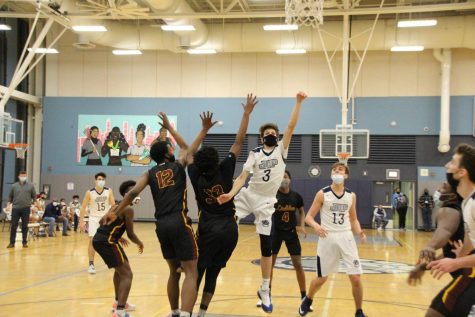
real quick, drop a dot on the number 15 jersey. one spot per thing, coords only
(335, 212)
(99, 202)
(267, 169)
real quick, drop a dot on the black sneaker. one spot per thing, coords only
(304, 308)
(359, 313)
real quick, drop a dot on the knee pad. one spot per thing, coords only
(266, 245)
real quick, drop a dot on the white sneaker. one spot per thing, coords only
(264, 296)
(92, 269)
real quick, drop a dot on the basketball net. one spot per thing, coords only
(20, 149)
(304, 12)
(343, 158)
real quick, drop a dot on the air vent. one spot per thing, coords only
(295, 150)
(223, 143)
(392, 149)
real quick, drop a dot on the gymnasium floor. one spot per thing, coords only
(49, 278)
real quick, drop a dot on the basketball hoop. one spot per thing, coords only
(343, 157)
(304, 12)
(20, 149)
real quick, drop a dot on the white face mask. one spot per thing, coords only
(101, 183)
(338, 179)
(285, 183)
(136, 200)
(22, 179)
(75, 200)
(55, 204)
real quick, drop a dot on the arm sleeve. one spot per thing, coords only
(249, 165)
(228, 165)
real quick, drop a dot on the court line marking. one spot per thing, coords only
(326, 305)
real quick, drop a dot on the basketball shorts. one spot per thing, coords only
(247, 202)
(93, 225)
(291, 239)
(112, 253)
(336, 246)
(458, 297)
(176, 237)
(217, 239)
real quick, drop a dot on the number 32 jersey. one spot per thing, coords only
(267, 169)
(335, 212)
(99, 202)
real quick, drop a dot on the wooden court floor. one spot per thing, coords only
(50, 278)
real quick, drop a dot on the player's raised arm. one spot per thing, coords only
(206, 124)
(177, 136)
(313, 212)
(237, 185)
(82, 212)
(141, 183)
(248, 107)
(355, 224)
(294, 117)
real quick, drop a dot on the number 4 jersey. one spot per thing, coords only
(267, 169)
(335, 212)
(99, 202)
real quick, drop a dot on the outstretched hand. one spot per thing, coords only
(251, 102)
(165, 122)
(207, 120)
(301, 96)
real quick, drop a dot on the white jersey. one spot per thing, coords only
(99, 203)
(468, 208)
(335, 212)
(267, 169)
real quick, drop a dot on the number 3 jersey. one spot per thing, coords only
(267, 169)
(167, 183)
(335, 212)
(99, 202)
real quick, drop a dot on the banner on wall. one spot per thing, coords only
(119, 140)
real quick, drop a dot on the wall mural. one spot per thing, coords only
(119, 140)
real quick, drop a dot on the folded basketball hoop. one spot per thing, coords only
(20, 149)
(304, 12)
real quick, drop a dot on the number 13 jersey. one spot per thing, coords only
(267, 169)
(99, 202)
(335, 212)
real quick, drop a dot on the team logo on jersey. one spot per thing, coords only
(213, 193)
(265, 223)
(339, 207)
(369, 266)
(268, 164)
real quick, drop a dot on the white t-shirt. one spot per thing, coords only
(99, 203)
(335, 212)
(138, 150)
(468, 208)
(267, 169)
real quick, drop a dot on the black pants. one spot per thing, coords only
(402, 211)
(24, 214)
(427, 218)
(76, 222)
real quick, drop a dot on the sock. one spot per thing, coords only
(120, 307)
(359, 310)
(202, 313)
(185, 314)
(265, 284)
(116, 299)
(303, 294)
(91, 262)
(175, 313)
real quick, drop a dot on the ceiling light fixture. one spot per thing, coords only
(126, 52)
(89, 28)
(43, 50)
(415, 23)
(413, 48)
(280, 27)
(201, 51)
(178, 27)
(291, 51)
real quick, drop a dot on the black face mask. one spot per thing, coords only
(452, 181)
(170, 157)
(270, 140)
